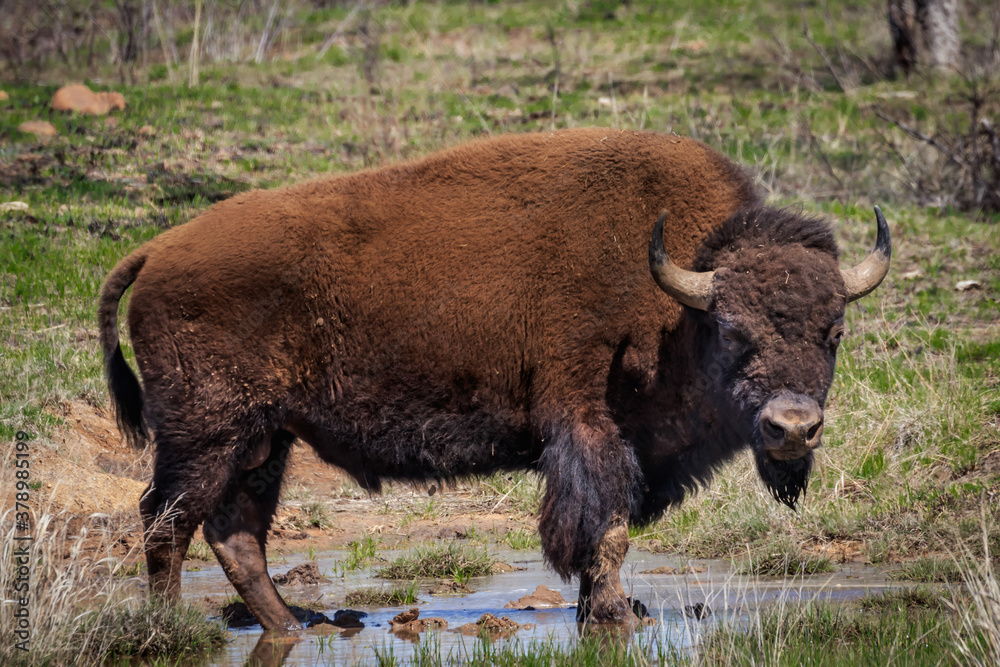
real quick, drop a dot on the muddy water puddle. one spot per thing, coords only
(674, 599)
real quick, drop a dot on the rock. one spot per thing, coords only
(543, 598)
(39, 128)
(81, 99)
(308, 617)
(419, 625)
(306, 574)
(13, 206)
(490, 625)
(697, 611)
(237, 615)
(408, 623)
(348, 618)
(638, 608)
(405, 616)
(966, 285)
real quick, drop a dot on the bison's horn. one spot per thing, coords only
(867, 275)
(691, 288)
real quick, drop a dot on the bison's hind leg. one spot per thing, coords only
(167, 532)
(189, 478)
(237, 533)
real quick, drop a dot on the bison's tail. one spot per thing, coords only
(123, 386)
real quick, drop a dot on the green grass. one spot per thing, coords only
(593, 650)
(313, 514)
(429, 509)
(360, 554)
(149, 630)
(521, 539)
(828, 634)
(780, 558)
(438, 562)
(78, 613)
(904, 598)
(199, 550)
(519, 491)
(930, 570)
(382, 597)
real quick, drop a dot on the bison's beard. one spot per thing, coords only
(784, 479)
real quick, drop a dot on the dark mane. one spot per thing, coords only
(765, 226)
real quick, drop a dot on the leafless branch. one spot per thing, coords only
(846, 88)
(826, 162)
(780, 53)
(930, 141)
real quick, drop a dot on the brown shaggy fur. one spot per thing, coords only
(487, 307)
(81, 99)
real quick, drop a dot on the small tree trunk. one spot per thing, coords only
(924, 31)
(939, 24)
(902, 26)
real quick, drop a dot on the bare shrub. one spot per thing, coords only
(963, 170)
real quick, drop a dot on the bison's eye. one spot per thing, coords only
(835, 335)
(732, 340)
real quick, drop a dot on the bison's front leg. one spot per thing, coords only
(593, 483)
(602, 598)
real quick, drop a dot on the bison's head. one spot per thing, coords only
(774, 305)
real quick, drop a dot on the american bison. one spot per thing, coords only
(498, 305)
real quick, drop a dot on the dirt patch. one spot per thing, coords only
(543, 598)
(306, 574)
(449, 588)
(493, 627)
(838, 550)
(87, 469)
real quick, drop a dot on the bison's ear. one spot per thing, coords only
(691, 288)
(867, 275)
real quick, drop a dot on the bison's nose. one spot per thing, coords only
(791, 425)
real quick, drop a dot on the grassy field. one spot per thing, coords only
(910, 469)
